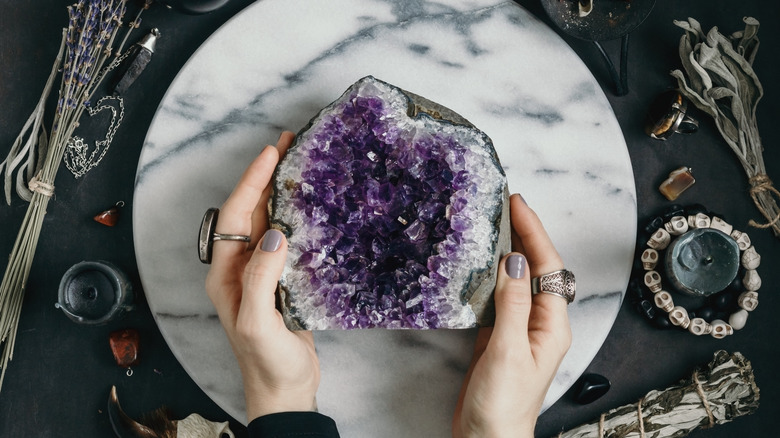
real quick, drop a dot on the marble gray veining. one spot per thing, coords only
(273, 67)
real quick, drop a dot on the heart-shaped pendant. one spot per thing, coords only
(79, 159)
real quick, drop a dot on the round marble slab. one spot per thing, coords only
(273, 67)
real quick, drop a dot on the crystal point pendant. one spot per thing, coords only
(109, 217)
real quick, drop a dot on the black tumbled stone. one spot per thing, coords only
(695, 209)
(672, 211)
(723, 301)
(705, 313)
(736, 284)
(661, 321)
(590, 387)
(654, 224)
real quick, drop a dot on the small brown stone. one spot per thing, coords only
(125, 345)
(108, 217)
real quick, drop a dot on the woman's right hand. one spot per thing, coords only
(280, 368)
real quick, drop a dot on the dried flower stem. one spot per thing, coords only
(92, 27)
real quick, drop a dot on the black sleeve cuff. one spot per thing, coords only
(293, 424)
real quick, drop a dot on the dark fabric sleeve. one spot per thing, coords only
(293, 425)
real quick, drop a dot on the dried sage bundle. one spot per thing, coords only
(724, 390)
(721, 82)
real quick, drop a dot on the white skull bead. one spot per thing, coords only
(742, 239)
(699, 220)
(721, 225)
(679, 317)
(720, 329)
(676, 226)
(649, 259)
(748, 300)
(751, 259)
(700, 327)
(653, 281)
(663, 301)
(751, 280)
(659, 240)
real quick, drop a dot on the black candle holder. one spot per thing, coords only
(94, 293)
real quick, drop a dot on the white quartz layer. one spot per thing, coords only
(273, 67)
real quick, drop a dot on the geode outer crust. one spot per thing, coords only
(396, 212)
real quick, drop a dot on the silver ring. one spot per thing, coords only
(667, 116)
(560, 283)
(239, 237)
(208, 236)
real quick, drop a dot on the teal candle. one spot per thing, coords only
(702, 262)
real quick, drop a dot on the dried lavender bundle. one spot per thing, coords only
(718, 394)
(721, 82)
(92, 27)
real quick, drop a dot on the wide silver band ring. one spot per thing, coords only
(208, 236)
(560, 283)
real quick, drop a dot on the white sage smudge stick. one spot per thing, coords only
(92, 27)
(723, 391)
(721, 82)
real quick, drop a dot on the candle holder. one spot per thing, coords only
(94, 293)
(702, 256)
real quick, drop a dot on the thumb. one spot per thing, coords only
(513, 299)
(261, 276)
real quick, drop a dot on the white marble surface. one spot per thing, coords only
(278, 62)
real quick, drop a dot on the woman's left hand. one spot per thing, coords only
(279, 367)
(515, 361)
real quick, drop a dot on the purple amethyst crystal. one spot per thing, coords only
(395, 209)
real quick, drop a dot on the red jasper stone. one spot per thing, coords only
(108, 217)
(125, 345)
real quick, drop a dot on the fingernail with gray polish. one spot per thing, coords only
(522, 199)
(515, 266)
(272, 240)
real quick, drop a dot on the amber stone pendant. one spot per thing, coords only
(679, 180)
(125, 345)
(109, 217)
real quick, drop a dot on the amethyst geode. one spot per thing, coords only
(396, 213)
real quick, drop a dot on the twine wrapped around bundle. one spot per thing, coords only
(721, 82)
(723, 391)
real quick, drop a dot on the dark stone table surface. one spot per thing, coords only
(58, 381)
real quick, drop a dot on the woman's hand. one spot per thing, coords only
(280, 368)
(515, 361)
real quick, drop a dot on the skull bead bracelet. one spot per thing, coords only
(685, 236)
